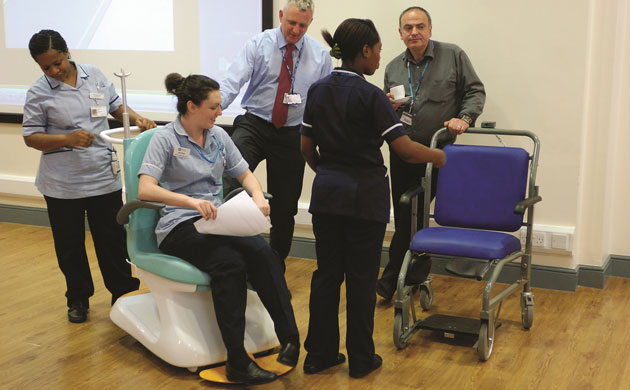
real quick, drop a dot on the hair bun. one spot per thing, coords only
(172, 82)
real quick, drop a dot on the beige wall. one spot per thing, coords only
(560, 69)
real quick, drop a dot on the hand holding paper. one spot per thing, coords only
(239, 216)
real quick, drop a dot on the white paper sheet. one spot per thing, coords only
(238, 216)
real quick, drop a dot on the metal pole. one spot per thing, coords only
(125, 115)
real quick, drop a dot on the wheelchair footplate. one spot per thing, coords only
(451, 325)
(217, 374)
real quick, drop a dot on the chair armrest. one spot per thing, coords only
(123, 214)
(236, 191)
(526, 203)
(413, 192)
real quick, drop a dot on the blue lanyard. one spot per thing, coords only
(415, 93)
(198, 149)
(284, 59)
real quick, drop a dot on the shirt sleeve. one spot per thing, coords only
(238, 73)
(473, 91)
(307, 123)
(386, 80)
(156, 157)
(327, 67)
(386, 121)
(35, 119)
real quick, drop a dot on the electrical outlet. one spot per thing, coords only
(538, 239)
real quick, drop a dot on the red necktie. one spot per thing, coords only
(280, 110)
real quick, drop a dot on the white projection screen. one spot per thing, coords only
(149, 38)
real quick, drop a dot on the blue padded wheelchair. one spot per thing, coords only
(483, 194)
(175, 320)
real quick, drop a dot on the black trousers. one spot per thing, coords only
(351, 248)
(259, 140)
(403, 177)
(67, 220)
(230, 262)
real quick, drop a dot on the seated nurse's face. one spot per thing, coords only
(55, 64)
(209, 110)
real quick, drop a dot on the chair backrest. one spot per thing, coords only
(479, 187)
(141, 241)
(141, 228)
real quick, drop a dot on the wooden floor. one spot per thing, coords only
(579, 340)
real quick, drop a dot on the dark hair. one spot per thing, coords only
(194, 88)
(409, 9)
(46, 40)
(351, 36)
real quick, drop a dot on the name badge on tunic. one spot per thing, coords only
(98, 111)
(115, 163)
(406, 118)
(181, 152)
(96, 95)
(292, 98)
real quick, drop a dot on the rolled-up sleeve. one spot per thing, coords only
(474, 93)
(238, 74)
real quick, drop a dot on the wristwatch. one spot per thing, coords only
(466, 118)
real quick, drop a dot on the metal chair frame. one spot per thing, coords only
(405, 319)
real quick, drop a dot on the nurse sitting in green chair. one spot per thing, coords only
(182, 168)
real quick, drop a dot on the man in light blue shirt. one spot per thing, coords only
(280, 65)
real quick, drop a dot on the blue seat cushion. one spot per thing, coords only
(479, 244)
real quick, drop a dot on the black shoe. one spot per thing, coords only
(252, 374)
(77, 313)
(376, 363)
(315, 367)
(289, 354)
(385, 289)
(418, 271)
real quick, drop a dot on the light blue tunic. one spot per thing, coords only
(180, 165)
(53, 107)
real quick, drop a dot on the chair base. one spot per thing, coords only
(178, 324)
(269, 363)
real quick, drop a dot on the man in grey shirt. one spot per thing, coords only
(442, 90)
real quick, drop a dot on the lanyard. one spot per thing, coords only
(198, 149)
(415, 93)
(292, 74)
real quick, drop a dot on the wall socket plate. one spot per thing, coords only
(538, 239)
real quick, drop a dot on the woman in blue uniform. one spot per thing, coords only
(65, 111)
(182, 168)
(345, 123)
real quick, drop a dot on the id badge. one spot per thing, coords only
(115, 163)
(97, 96)
(292, 98)
(181, 152)
(406, 118)
(98, 111)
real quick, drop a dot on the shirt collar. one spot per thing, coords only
(282, 42)
(347, 72)
(428, 53)
(179, 129)
(81, 73)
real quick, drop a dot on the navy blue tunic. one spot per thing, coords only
(348, 119)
